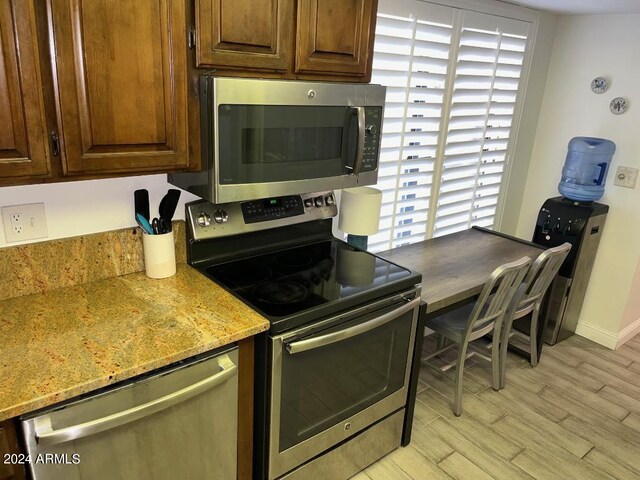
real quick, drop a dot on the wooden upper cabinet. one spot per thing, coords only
(120, 77)
(241, 34)
(335, 37)
(9, 445)
(23, 135)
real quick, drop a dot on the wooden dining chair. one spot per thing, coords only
(469, 323)
(528, 299)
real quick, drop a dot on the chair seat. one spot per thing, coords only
(453, 323)
(455, 320)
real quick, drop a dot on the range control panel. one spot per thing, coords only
(272, 208)
(207, 220)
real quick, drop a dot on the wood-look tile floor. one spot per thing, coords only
(575, 416)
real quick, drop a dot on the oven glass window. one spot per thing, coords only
(325, 386)
(272, 143)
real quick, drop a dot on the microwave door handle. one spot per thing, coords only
(354, 168)
(46, 435)
(328, 339)
(357, 164)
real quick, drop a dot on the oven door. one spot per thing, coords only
(332, 380)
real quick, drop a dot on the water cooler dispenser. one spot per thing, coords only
(579, 223)
(575, 218)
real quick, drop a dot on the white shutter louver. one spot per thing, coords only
(411, 58)
(488, 69)
(472, 97)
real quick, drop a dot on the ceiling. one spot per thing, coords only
(581, 7)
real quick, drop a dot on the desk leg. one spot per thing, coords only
(413, 377)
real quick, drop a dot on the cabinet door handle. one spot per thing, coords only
(55, 144)
(191, 38)
(46, 435)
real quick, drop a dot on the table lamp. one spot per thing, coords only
(359, 214)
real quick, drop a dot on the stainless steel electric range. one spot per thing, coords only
(332, 373)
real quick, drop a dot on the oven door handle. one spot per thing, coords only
(328, 339)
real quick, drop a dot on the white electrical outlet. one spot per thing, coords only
(626, 177)
(24, 222)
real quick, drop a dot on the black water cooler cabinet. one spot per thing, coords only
(579, 223)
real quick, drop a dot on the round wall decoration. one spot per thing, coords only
(618, 105)
(599, 85)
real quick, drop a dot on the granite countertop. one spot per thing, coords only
(68, 341)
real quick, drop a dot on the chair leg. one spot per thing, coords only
(441, 340)
(457, 393)
(533, 336)
(504, 345)
(495, 359)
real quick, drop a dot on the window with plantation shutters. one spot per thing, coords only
(452, 80)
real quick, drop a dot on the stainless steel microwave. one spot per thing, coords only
(265, 138)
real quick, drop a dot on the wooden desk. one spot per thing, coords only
(455, 267)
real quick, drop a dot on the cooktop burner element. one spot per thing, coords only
(280, 292)
(293, 259)
(247, 273)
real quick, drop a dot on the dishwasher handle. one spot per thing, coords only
(328, 339)
(45, 435)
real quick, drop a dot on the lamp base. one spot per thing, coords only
(358, 241)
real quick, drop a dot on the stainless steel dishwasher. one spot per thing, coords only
(178, 423)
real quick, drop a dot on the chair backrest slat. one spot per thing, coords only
(541, 274)
(497, 294)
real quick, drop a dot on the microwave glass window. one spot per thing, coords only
(274, 143)
(295, 144)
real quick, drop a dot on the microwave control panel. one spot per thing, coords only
(372, 134)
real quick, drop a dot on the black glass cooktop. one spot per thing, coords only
(308, 282)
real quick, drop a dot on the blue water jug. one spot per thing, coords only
(585, 170)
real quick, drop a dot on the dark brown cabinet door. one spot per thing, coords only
(245, 34)
(23, 136)
(11, 470)
(335, 37)
(121, 84)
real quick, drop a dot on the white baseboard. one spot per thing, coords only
(597, 334)
(608, 338)
(628, 333)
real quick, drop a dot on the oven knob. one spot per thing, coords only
(308, 202)
(329, 200)
(204, 220)
(319, 201)
(371, 129)
(220, 216)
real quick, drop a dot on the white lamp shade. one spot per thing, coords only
(360, 210)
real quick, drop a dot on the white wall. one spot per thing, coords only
(521, 155)
(76, 208)
(586, 47)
